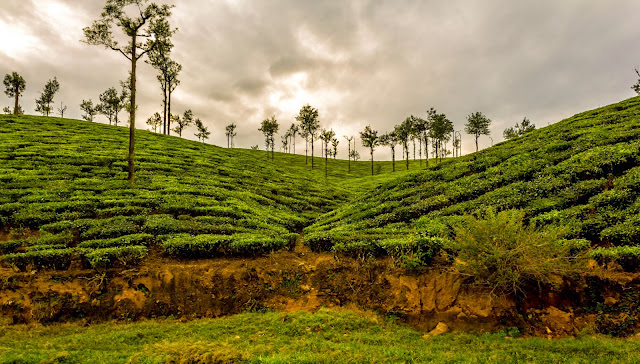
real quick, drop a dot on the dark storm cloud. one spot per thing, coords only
(359, 62)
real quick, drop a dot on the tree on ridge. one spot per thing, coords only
(309, 124)
(149, 26)
(477, 124)
(269, 127)
(369, 138)
(14, 87)
(43, 104)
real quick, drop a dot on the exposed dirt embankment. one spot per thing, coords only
(302, 280)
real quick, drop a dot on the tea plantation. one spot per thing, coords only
(65, 201)
(64, 197)
(580, 176)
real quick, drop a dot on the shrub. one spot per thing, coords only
(627, 256)
(127, 240)
(414, 251)
(124, 256)
(10, 246)
(499, 251)
(201, 246)
(48, 259)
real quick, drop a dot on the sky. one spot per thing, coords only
(359, 62)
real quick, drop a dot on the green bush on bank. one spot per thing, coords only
(123, 256)
(627, 256)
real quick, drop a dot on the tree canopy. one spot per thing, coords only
(477, 124)
(14, 87)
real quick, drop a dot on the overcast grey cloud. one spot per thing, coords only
(359, 62)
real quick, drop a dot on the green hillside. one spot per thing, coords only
(64, 197)
(581, 175)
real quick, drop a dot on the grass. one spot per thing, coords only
(322, 337)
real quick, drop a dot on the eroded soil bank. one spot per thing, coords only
(301, 280)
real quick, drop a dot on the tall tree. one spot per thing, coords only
(187, 119)
(62, 109)
(154, 121)
(349, 139)
(370, 140)
(326, 136)
(309, 124)
(203, 132)
(149, 26)
(477, 124)
(420, 129)
(285, 141)
(390, 140)
(168, 71)
(269, 127)
(519, 130)
(403, 134)
(440, 131)
(293, 130)
(43, 104)
(14, 87)
(89, 110)
(230, 133)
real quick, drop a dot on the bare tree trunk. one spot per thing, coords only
(477, 142)
(312, 151)
(15, 108)
(349, 155)
(169, 112)
(393, 158)
(372, 161)
(132, 111)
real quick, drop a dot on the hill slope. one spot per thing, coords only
(63, 192)
(581, 174)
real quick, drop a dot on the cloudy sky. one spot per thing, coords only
(359, 62)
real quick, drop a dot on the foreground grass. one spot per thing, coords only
(323, 337)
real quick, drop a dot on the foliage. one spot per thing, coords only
(89, 110)
(155, 121)
(520, 129)
(309, 125)
(122, 256)
(43, 103)
(269, 127)
(627, 256)
(370, 139)
(499, 251)
(477, 124)
(230, 132)
(14, 87)
(203, 132)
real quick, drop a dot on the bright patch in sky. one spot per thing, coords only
(17, 41)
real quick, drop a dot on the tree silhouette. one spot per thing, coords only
(108, 102)
(203, 132)
(62, 109)
(390, 139)
(477, 124)
(154, 122)
(440, 131)
(43, 104)
(168, 71)
(293, 130)
(269, 127)
(89, 110)
(187, 119)
(150, 26)
(309, 124)
(14, 87)
(403, 134)
(230, 133)
(349, 139)
(334, 144)
(370, 140)
(326, 136)
(420, 129)
(519, 130)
